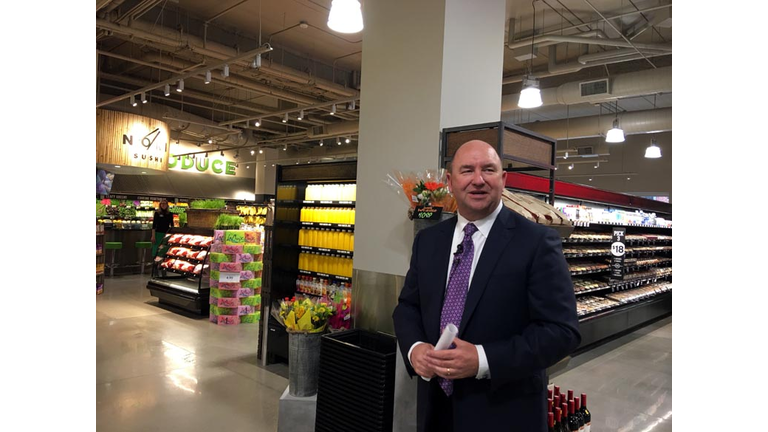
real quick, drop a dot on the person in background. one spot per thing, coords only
(504, 283)
(161, 223)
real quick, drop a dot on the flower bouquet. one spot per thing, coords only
(304, 315)
(425, 188)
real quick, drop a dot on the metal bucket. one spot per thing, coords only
(303, 363)
(420, 224)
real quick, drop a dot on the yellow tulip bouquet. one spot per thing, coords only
(305, 315)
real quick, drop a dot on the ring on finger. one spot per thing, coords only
(448, 372)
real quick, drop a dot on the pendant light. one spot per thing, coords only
(530, 95)
(653, 151)
(615, 134)
(167, 90)
(345, 16)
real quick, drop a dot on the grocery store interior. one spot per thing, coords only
(297, 144)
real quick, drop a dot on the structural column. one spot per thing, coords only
(427, 65)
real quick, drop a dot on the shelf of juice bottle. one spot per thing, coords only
(343, 253)
(346, 227)
(325, 275)
(318, 202)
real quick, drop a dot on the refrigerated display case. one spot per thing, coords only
(180, 270)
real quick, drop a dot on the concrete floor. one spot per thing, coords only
(161, 370)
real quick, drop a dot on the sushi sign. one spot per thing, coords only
(131, 140)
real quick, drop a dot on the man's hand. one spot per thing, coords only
(460, 362)
(419, 360)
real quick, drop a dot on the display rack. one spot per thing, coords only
(647, 266)
(100, 258)
(302, 204)
(180, 270)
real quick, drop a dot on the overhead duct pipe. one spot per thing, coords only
(170, 39)
(632, 84)
(589, 41)
(635, 122)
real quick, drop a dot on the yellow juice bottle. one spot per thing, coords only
(302, 237)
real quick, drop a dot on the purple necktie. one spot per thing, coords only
(456, 293)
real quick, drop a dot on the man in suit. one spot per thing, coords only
(503, 281)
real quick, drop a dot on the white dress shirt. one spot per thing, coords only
(478, 239)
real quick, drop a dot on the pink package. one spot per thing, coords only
(245, 292)
(246, 274)
(225, 302)
(229, 285)
(252, 237)
(218, 236)
(216, 247)
(246, 310)
(232, 249)
(230, 267)
(214, 283)
(243, 258)
(228, 319)
(212, 318)
(214, 266)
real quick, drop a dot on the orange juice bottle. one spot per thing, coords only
(302, 236)
(352, 217)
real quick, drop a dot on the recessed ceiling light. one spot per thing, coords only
(143, 172)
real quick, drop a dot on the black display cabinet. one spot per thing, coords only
(282, 268)
(183, 286)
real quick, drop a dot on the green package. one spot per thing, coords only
(215, 310)
(251, 283)
(254, 249)
(250, 318)
(220, 293)
(251, 301)
(215, 275)
(217, 257)
(234, 237)
(253, 266)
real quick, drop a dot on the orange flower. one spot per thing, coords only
(432, 186)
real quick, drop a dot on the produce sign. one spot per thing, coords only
(202, 164)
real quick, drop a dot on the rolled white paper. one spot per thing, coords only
(446, 339)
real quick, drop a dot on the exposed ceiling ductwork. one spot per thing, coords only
(635, 122)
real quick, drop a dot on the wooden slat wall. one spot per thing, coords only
(527, 148)
(110, 127)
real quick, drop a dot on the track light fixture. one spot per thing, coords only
(257, 123)
(225, 71)
(347, 140)
(321, 143)
(133, 100)
(237, 154)
(301, 115)
(261, 151)
(167, 90)
(285, 118)
(256, 62)
(333, 109)
(210, 140)
(247, 167)
(206, 154)
(143, 98)
(338, 141)
(222, 152)
(351, 106)
(253, 152)
(570, 167)
(566, 155)
(180, 86)
(208, 77)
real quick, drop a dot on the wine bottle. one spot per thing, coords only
(557, 390)
(577, 412)
(564, 421)
(585, 413)
(556, 401)
(573, 419)
(549, 405)
(549, 394)
(559, 420)
(570, 396)
(551, 422)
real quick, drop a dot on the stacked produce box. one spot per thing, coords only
(235, 279)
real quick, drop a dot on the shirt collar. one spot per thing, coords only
(483, 225)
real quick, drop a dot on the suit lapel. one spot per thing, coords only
(498, 238)
(440, 272)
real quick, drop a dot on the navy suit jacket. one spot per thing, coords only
(520, 307)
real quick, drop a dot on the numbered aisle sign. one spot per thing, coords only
(617, 253)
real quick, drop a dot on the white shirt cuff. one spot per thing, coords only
(483, 371)
(409, 358)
